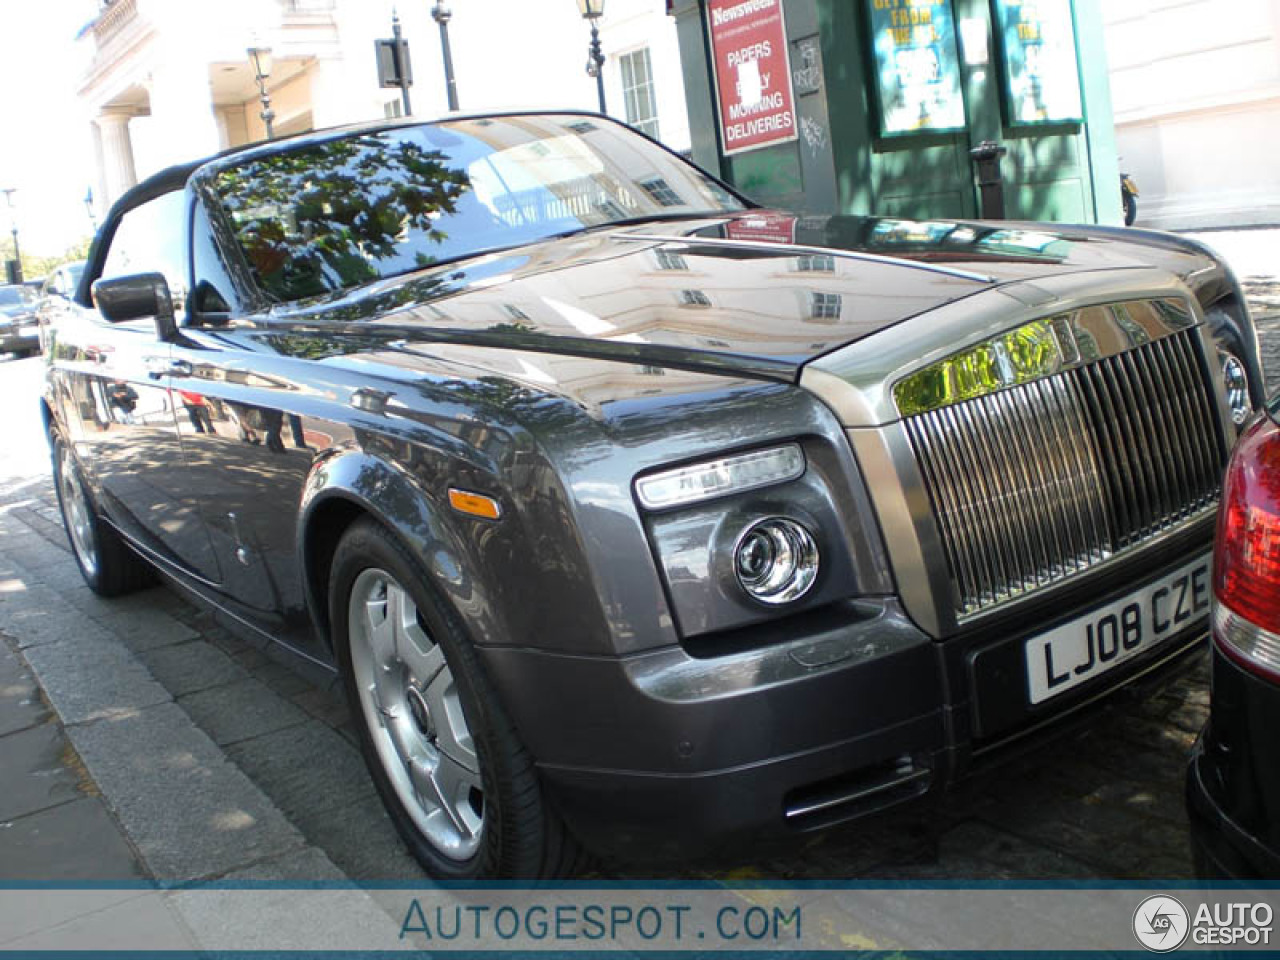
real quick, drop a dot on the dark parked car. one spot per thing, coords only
(57, 295)
(19, 326)
(1233, 784)
(630, 515)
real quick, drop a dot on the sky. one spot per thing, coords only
(45, 150)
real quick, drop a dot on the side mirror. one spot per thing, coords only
(140, 295)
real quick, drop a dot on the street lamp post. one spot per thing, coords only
(593, 10)
(442, 14)
(260, 58)
(402, 68)
(13, 228)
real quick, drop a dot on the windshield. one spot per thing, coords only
(346, 212)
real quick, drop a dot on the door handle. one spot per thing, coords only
(160, 367)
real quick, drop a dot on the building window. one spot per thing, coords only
(670, 261)
(825, 306)
(637, 89)
(694, 298)
(661, 192)
(818, 263)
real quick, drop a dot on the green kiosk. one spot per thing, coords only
(914, 109)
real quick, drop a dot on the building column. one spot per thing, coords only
(117, 155)
(100, 204)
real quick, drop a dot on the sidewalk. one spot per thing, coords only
(53, 821)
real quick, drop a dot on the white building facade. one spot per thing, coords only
(1196, 91)
(168, 82)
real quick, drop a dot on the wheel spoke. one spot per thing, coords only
(453, 736)
(424, 659)
(447, 786)
(381, 628)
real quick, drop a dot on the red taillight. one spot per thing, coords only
(1247, 559)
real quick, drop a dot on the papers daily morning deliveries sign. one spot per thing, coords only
(753, 73)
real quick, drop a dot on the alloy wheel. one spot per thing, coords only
(411, 706)
(77, 513)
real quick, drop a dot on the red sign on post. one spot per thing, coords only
(753, 74)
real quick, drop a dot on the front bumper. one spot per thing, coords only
(664, 755)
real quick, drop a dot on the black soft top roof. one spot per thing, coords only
(176, 176)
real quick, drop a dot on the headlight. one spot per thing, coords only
(1235, 379)
(715, 478)
(776, 561)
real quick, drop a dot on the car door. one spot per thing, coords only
(117, 378)
(245, 446)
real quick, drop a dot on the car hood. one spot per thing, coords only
(757, 294)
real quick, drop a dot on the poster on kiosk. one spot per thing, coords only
(752, 73)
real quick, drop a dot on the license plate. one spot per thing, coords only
(1091, 645)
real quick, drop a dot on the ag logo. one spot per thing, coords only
(1161, 924)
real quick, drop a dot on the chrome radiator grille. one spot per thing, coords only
(1038, 482)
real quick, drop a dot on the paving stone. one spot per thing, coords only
(112, 930)
(190, 812)
(140, 621)
(308, 865)
(20, 703)
(187, 667)
(38, 614)
(76, 841)
(35, 774)
(281, 679)
(66, 579)
(330, 708)
(92, 678)
(361, 841)
(39, 554)
(240, 711)
(1114, 842)
(249, 657)
(277, 921)
(1004, 851)
(305, 769)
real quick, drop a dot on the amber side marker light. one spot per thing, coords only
(1247, 560)
(474, 504)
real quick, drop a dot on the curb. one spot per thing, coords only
(190, 813)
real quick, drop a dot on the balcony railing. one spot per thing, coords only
(304, 8)
(115, 16)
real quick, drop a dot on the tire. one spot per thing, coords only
(431, 725)
(109, 566)
(1130, 209)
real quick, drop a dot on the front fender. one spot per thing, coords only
(348, 483)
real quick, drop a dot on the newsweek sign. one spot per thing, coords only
(753, 74)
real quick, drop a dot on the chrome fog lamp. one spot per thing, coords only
(715, 478)
(776, 561)
(1235, 380)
